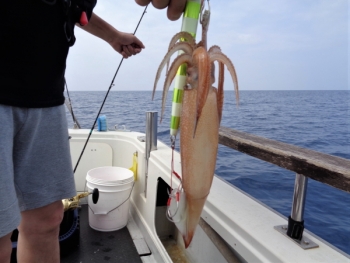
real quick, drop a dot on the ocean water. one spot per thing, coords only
(318, 120)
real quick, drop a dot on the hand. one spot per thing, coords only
(126, 44)
(175, 7)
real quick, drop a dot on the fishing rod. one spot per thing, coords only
(110, 87)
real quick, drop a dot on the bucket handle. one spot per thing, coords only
(106, 213)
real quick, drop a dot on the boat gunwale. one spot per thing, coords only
(325, 168)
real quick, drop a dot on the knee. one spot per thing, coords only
(52, 218)
(42, 220)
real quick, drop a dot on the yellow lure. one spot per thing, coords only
(133, 168)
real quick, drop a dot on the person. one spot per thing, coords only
(35, 166)
(175, 8)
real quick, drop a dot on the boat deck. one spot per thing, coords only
(96, 246)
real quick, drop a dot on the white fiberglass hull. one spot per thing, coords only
(242, 222)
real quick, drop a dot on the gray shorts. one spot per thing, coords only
(35, 163)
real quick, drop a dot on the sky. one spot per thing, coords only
(273, 44)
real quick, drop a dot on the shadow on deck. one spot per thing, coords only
(97, 246)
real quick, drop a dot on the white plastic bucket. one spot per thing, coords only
(112, 209)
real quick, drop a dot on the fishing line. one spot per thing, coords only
(75, 121)
(111, 85)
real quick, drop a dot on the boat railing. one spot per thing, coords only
(306, 163)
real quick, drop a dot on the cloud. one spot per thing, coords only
(273, 45)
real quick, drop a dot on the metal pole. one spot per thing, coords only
(151, 139)
(189, 24)
(299, 197)
(296, 220)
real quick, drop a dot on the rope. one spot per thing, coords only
(116, 206)
(177, 193)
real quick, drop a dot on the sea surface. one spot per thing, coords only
(318, 120)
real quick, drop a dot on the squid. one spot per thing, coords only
(200, 120)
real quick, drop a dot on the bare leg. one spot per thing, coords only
(38, 234)
(5, 248)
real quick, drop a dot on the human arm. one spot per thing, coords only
(124, 43)
(175, 7)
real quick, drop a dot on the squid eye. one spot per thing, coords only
(192, 74)
(188, 72)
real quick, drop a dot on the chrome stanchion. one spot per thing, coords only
(295, 227)
(151, 139)
(296, 219)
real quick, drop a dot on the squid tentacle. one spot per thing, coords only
(183, 34)
(215, 54)
(188, 39)
(220, 97)
(184, 46)
(184, 58)
(201, 59)
(214, 48)
(205, 26)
